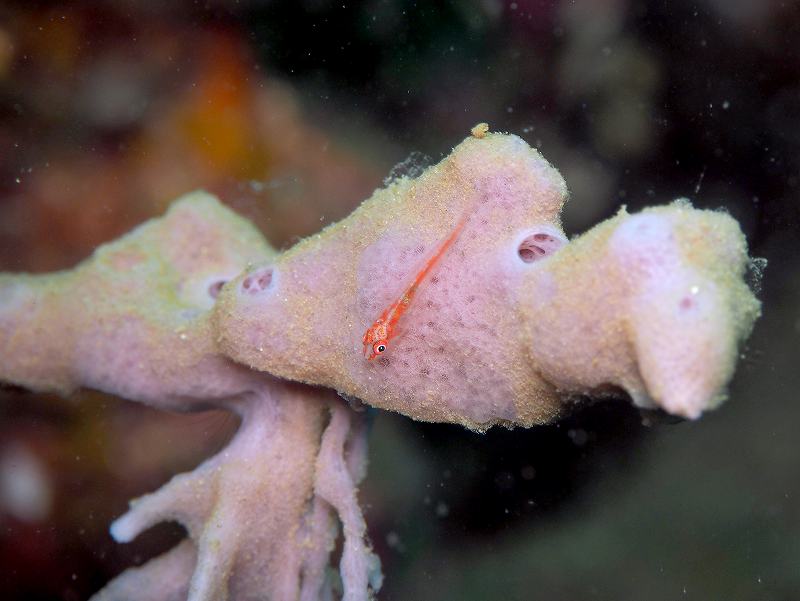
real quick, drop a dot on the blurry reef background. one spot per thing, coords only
(293, 112)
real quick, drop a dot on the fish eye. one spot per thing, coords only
(379, 348)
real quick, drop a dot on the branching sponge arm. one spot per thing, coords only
(653, 303)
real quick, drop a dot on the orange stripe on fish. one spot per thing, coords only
(377, 337)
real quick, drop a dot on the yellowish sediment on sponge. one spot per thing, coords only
(654, 304)
(511, 321)
(480, 130)
(460, 356)
(492, 337)
(133, 318)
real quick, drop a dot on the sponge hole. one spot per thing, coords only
(257, 281)
(216, 287)
(539, 245)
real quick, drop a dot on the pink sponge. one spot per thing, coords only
(653, 303)
(134, 318)
(510, 321)
(500, 320)
(457, 354)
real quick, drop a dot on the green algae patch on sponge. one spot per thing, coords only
(133, 318)
(653, 303)
(459, 354)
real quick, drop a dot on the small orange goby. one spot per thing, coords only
(376, 338)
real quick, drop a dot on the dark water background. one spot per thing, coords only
(293, 112)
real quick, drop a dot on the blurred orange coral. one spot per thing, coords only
(132, 122)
